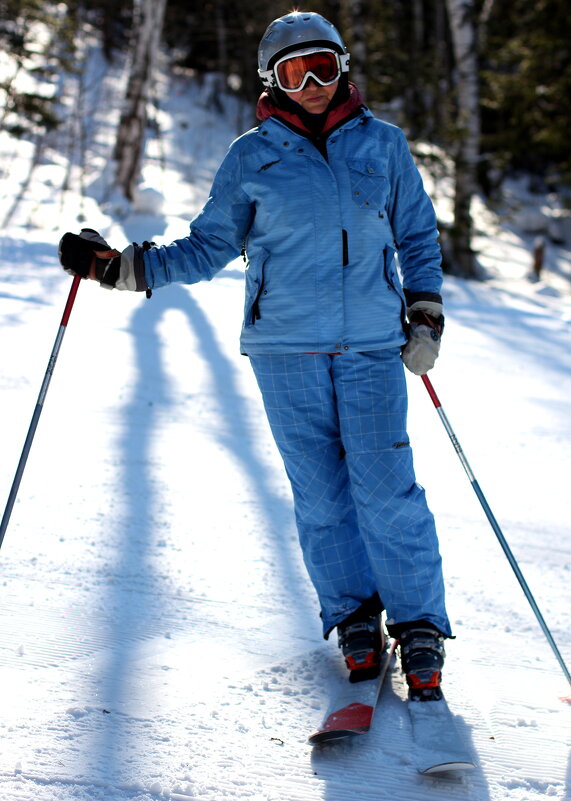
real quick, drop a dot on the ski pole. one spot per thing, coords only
(38, 409)
(494, 523)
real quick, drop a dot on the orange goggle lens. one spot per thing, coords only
(293, 73)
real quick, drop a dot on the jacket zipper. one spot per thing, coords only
(256, 304)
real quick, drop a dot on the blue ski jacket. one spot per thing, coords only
(319, 235)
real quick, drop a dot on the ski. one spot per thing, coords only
(350, 713)
(438, 745)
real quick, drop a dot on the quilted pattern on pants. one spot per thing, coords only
(339, 422)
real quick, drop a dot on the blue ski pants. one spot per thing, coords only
(339, 422)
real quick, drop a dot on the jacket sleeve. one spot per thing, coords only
(413, 221)
(217, 233)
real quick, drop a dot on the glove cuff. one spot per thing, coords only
(431, 307)
(132, 269)
(413, 297)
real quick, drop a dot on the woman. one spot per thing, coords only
(318, 198)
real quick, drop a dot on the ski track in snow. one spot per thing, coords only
(159, 636)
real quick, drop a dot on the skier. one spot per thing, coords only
(318, 198)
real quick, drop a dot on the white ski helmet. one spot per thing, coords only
(297, 31)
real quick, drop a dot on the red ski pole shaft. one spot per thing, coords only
(495, 526)
(38, 410)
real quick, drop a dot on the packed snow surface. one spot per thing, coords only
(160, 639)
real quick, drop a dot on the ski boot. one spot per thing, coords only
(422, 658)
(362, 641)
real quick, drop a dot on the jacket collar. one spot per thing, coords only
(266, 108)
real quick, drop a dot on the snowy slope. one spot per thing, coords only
(160, 639)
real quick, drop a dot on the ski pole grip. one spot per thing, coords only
(431, 391)
(70, 300)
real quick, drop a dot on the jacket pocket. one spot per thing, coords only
(254, 288)
(393, 280)
(390, 269)
(369, 183)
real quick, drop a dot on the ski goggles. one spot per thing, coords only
(292, 72)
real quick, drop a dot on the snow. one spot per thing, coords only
(160, 639)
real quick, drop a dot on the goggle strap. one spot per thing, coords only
(267, 77)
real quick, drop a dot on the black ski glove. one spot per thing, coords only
(88, 255)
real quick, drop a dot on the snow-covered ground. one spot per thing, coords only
(159, 637)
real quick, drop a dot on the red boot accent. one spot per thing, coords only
(416, 683)
(371, 660)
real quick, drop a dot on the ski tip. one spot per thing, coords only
(446, 767)
(565, 698)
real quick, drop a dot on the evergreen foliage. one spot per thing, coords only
(28, 29)
(524, 54)
(526, 86)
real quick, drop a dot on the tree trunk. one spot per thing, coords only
(414, 97)
(147, 27)
(358, 45)
(462, 26)
(442, 72)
